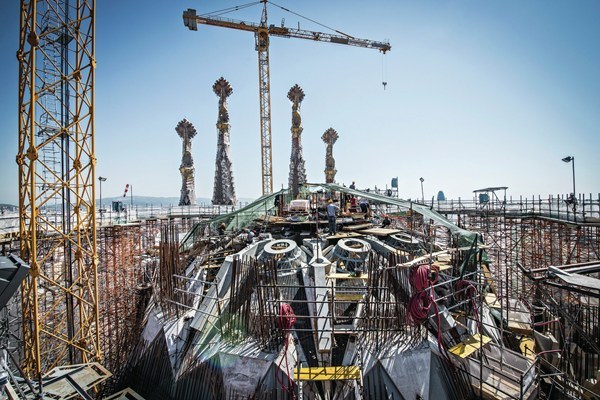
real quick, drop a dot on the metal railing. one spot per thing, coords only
(583, 209)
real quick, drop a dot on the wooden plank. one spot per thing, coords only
(343, 235)
(469, 345)
(341, 373)
(442, 265)
(492, 300)
(345, 329)
(87, 376)
(380, 231)
(445, 258)
(357, 227)
(340, 275)
(422, 259)
(519, 319)
(348, 296)
(488, 278)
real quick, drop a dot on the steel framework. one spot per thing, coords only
(530, 235)
(56, 183)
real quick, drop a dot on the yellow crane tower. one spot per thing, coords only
(262, 31)
(56, 163)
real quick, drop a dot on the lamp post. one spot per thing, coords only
(422, 194)
(571, 159)
(101, 179)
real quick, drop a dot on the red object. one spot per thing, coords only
(418, 308)
(286, 321)
(287, 318)
(126, 189)
(421, 276)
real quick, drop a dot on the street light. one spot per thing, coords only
(422, 194)
(101, 179)
(571, 159)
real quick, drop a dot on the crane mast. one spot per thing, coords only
(56, 161)
(262, 31)
(264, 94)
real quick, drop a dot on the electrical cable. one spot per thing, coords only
(286, 321)
(469, 289)
(422, 278)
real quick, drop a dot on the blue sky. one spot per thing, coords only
(480, 93)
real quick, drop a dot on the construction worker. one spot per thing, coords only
(386, 221)
(250, 234)
(353, 203)
(332, 210)
(364, 205)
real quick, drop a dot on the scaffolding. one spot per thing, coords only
(329, 312)
(131, 257)
(525, 237)
(495, 263)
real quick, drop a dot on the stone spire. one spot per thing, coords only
(297, 168)
(186, 132)
(224, 191)
(330, 137)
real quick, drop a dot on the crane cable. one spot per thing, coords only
(311, 20)
(383, 70)
(240, 7)
(383, 59)
(230, 9)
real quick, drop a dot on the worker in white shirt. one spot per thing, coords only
(332, 210)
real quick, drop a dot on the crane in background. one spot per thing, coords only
(262, 31)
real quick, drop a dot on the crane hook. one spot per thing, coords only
(383, 71)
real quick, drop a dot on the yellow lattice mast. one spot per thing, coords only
(56, 183)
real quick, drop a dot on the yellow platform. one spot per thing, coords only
(342, 373)
(469, 345)
(527, 346)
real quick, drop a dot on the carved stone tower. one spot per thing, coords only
(224, 191)
(330, 137)
(297, 168)
(186, 132)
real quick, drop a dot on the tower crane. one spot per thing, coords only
(262, 31)
(56, 160)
